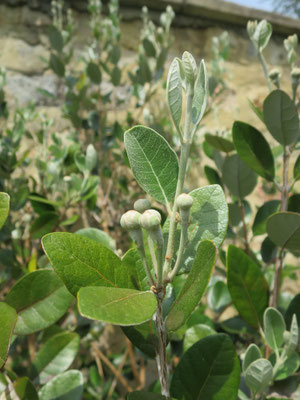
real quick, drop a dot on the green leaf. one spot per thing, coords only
(116, 76)
(262, 34)
(116, 306)
(293, 337)
(253, 353)
(98, 236)
(40, 299)
(218, 296)
(208, 220)
(288, 367)
(212, 176)
(209, 370)
(80, 261)
(190, 67)
(238, 177)
(219, 143)
(256, 110)
(144, 396)
(194, 286)
(253, 149)
(274, 327)
(153, 162)
(115, 54)
(91, 157)
(196, 333)
(143, 336)
(65, 386)
(296, 171)
(8, 318)
(174, 93)
(247, 286)
(93, 72)
(293, 308)
(56, 39)
(132, 262)
(57, 65)
(294, 203)
(149, 48)
(43, 224)
(283, 229)
(144, 71)
(268, 250)
(259, 375)
(235, 216)
(4, 207)
(21, 389)
(200, 95)
(260, 222)
(56, 355)
(281, 117)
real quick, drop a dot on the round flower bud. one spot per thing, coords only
(274, 74)
(131, 220)
(286, 336)
(142, 205)
(295, 72)
(251, 28)
(184, 201)
(150, 219)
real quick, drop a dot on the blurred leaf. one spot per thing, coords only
(149, 48)
(274, 327)
(57, 65)
(21, 389)
(218, 296)
(283, 229)
(43, 224)
(247, 286)
(281, 117)
(145, 396)
(143, 336)
(219, 143)
(296, 171)
(40, 299)
(98, 236)
(293, 308)
(219, 379)
(94, 73)
(8, 319)
(116, 76)
(65, 386)
(91, 157)
(55, 356)
(212, 176)
(260, 222)
(253, 149)
(268, 250)
(294, 203)
(4, 208)
(238, 177)
(56, 39)
(196, 333)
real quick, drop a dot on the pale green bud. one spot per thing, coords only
(275, 76)
(251, 28)
(190, 67)
(150, 219)
(184, 201)
(131, 220)
(142, 205)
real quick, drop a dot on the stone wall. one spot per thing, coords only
(23, 45)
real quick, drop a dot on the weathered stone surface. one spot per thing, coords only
(24, 89)
(18, 56)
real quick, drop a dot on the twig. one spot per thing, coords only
(132, 362)
(112, 368)
(114, 382)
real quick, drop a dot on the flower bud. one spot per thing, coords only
(190, 68)
(251, 28)
(275, 76)
(131, 220)
(295, 73)
(142, 205)
(150, 219)
(184, 201)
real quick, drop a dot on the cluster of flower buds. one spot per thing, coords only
(184, 202)
(143, 217)
(290, 45)
(295, 75)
